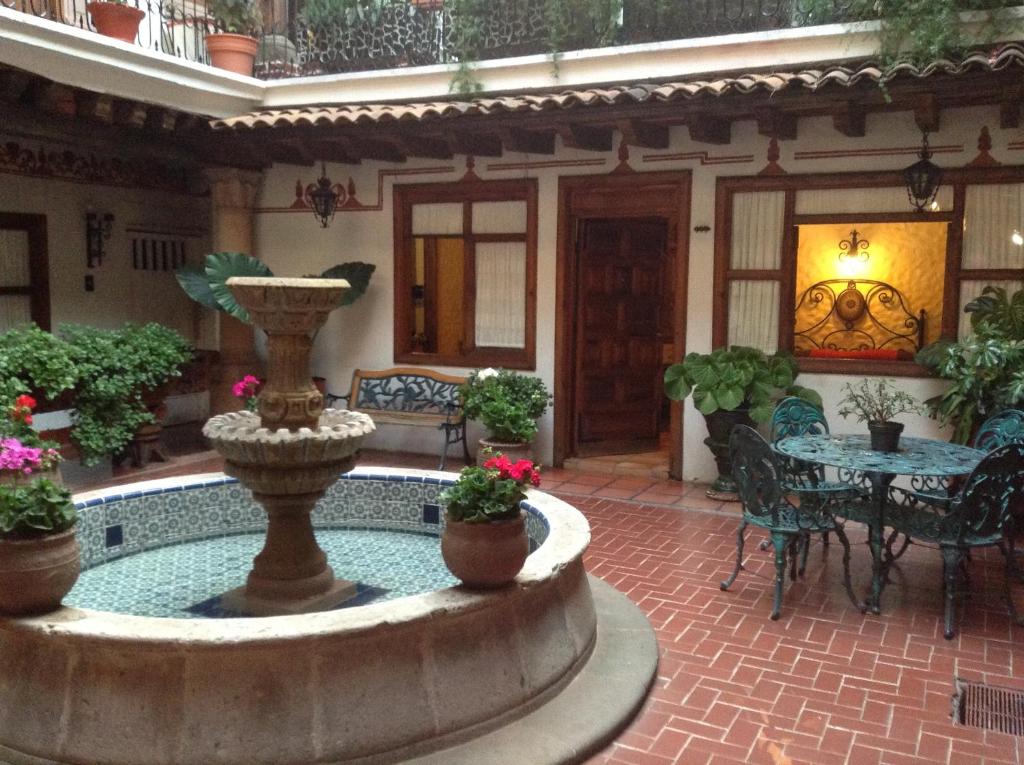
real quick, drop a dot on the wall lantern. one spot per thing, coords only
(324, 198)
(854, 248)
(97, 230)
(923, 178)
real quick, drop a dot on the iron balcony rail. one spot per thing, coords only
(310, 37)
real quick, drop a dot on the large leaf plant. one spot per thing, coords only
(209, 285)
(736, 378)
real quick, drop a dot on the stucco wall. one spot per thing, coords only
(361, 335)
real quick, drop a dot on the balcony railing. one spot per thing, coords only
(310, 37)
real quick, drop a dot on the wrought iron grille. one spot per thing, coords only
(988, 706)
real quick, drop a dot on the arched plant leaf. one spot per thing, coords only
(356, 273)
(221, 266)
(197, 286)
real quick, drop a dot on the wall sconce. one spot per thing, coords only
(97, 231)
(1016, 238)
(854, 248)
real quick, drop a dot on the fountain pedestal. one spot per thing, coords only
(290, 453)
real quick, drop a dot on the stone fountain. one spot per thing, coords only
(290, 451)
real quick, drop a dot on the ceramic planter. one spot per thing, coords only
(35, 574)
(514, 451)
(116, 20)
(233, 53)
(485, 555)
(720, 425)
(885, 436)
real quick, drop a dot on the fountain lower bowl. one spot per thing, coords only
(383, 682)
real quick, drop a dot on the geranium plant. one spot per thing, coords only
(508, 404)
(246, 389)
(37, 509)
(492, 492)
(21, 448)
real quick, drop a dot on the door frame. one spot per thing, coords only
(617, 196)
(38, 263)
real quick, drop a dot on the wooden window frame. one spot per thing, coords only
(958, 178)
(466, 193)
(38, 290)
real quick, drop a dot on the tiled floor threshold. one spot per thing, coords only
(824, 685)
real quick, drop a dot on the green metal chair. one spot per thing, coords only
(980, 515)
(760, 476)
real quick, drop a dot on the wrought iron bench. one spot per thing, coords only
(411, 396)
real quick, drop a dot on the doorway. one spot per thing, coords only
(621, 320)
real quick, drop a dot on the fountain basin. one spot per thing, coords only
(384, 681)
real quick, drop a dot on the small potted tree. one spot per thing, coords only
(115, 18)
(484, 542)
(730, 387)
(234, 48)
(508, 405)
(39, 555)
(877, 404)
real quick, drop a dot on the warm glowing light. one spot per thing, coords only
(935, 206)
(852, 268)
(1017, 239)
(854, 248)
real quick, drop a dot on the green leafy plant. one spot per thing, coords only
(117, 369)
(736, 378)
(508, 404)
(32, 359)
(208, 286)
(241, 17)
(491, 492)
(997, 313)
(330, 13)
(876, 401)
(34, 510)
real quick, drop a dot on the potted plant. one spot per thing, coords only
(39, 555)
(876, 404)
(234, 48)
(35, 362)
(985, 369)
(115, 18)
(484, 542)
(508, 405)
(124, 375)
(24, 455)
(730, 387)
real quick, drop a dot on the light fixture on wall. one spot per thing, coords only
(1016, 238)
(97, 230)
(854, 248)
(923, 178)
(324, 198)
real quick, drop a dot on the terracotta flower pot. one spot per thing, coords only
(18, 478)
(514, 451)
(485, 555)
(116, 20)
(35, 574)
(234, 53)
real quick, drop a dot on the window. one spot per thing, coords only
(780, 283)
(24, 273)
(465, 273)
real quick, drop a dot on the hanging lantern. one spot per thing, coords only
(923, 178)
(324, 198)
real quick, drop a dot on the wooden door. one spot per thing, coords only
(618, 367)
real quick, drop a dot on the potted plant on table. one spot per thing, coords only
(39, 554)
(234, 48)
(484, 543)
(115, 18)
(508, 405)
(730, 387)
(876, 404)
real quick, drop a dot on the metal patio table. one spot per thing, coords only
(853, 454)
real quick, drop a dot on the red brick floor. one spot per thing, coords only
(824, 684)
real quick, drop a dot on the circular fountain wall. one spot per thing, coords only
(383, 681)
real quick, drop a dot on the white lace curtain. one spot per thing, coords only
(501, 294)
(757, 220)
(14, 272)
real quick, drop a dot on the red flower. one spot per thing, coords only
(535, 478)
(25, 401)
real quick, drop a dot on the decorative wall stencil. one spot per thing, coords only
(882, 151)
(704, 157)
(158, 254)
(546, 163)
(73, 166)
(348, 202)
(470, 169)
(984, 158)
(623, 166)
(773, 167)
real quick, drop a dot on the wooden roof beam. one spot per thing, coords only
(646, 135)
(776, 124)
(926, 112)
(419, 146)
(528, 141)
(586, 137)
(477, 144)
(850, 119)
(705, 129)
(372, 148)
(1010, 108)
(329, 150)
(94, 106)
(13, 84)
(160, 120)
(129, 114)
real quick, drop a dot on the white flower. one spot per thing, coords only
(483, 374)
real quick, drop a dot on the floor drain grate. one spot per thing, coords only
(988, 706)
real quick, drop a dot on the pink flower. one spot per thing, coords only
(16, 456)
(246, 387)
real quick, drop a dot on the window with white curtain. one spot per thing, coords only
(465, 273)
(24, 283)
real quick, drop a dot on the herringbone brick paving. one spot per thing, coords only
(825, 684)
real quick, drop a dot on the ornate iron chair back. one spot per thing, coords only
(758, 473)
(795, 417)
(1000, 429)
(983, 508)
